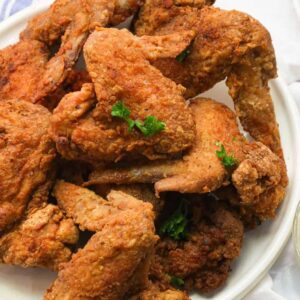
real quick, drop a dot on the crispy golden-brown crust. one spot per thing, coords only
(83, 127)
(153, 292)
(21, 66)
(228, 44)
(116, 259)
(203, 260)
(40, 240)
(26, 156)
(261, 181)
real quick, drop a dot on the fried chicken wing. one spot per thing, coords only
(116, 259)
(229, 44)
(26, 156)
(82, 125)
(200, 170)
(68, 21)
(203, 260)
(40, 240)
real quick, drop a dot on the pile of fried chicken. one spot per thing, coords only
(119, 175)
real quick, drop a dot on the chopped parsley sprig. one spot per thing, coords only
(150, 126)
(177, 282)
(228, 161)
(176, 226)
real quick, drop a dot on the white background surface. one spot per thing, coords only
(280, 17)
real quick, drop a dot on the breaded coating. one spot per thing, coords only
(115, 261)
(144, 192)
(21, 66)
(261, 181)
(40, 240)
(73, 82)
(229, 44)
(26, 156)
(203, 260)
(200, 170)
(88, 209)
(153, 292)
(82, 125)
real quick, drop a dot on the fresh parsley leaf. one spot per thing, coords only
(176, 226)
(227, 160)
(120, 110)
(177, 282)
(184, 54)
(150, 126)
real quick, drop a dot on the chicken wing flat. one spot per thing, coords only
(26, 156)
(82, 124)
(117, 257)
(200, 170)
(202, 260)
(40, 240)
(229, 44)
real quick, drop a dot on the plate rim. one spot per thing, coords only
(251, 279)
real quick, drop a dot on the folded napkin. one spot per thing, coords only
(282, 18)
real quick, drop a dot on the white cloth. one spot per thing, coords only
(282, 18)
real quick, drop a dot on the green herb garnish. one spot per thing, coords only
(119, 110)
(185, 53)
(149, 127)
(177, 282)
(227, 160)
(176, 226)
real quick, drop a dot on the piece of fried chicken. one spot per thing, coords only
(82, 125)
(258, 175)
(115, 261)
(203, 259)
(26, 156)
(40, 240)
(229, 44)
(66, 21)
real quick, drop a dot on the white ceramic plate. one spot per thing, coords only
(261, 247)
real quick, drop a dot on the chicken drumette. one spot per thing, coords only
(118, 62)
(228, 44)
